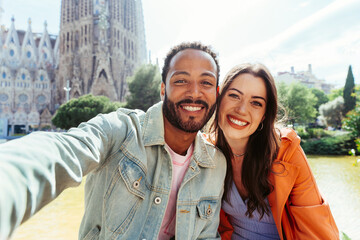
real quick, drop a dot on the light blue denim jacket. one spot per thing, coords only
(128, 182)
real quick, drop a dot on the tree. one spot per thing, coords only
(349, 90)
(144, 87)
(82, 109)
(332, 112)
(321, 97)
(352, 121)
(335, 93)
(298, 102)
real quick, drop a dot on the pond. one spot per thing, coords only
(338, 180)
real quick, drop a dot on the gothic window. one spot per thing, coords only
(4, 75)
(3, 97)
(12, 52)
(12, 40)
(45, 56)
(67, 42)
(28, 54)
(41, 77)
(27, 107)
(23, 76)
(29, 42)
(41, 99)
(23, 97)
(45, 45)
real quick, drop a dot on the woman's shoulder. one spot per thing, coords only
(290, 142)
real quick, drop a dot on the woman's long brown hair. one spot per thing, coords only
(262, 147)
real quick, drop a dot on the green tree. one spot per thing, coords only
(349, 92)
(298, 101)
(321, 97)
(335, 93)
(352, 121)
(82, 109)
(144, 87)
(332, 112)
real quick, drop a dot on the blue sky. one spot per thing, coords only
(278, 33)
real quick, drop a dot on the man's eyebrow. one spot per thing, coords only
(208, 74)
(180, 73)
(241, 93)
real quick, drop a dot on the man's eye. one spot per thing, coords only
(179, 81)
(208, 83)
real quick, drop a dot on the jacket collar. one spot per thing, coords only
(153, 134)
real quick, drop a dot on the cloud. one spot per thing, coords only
(329, 40)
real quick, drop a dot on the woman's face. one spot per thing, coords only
(242, 108)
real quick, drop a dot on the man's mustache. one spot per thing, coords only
(186, 101)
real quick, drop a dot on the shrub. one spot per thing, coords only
(302, 133)
(317, 133)
(338, 145)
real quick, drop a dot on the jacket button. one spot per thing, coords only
(209, 211)
(136, 184)
(157, 200)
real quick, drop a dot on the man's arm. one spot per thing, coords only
(37, 168)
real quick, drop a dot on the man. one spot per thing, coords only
(150, 175)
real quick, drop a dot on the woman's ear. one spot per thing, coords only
(162, 91)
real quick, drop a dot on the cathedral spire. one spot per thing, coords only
(45, 49)
(12, 46)
(28, 48)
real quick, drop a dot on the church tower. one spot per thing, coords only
(101, 44)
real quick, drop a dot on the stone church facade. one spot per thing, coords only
(100, 43)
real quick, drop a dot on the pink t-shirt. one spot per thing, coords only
(179, 166)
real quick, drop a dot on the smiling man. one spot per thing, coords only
(149, 175)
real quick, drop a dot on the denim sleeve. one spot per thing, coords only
(36, 168)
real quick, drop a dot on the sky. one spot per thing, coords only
(277, 33)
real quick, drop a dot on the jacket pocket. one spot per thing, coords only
(124, 195)
(206, 208)
(93, 234)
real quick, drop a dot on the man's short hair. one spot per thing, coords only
(189, 45)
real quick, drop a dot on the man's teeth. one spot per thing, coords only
(237, 122)
(192, 109)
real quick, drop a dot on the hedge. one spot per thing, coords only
(337, 145)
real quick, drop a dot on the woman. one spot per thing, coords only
(270, 191)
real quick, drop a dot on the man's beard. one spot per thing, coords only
(173, 116)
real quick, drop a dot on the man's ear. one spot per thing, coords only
(162, 91)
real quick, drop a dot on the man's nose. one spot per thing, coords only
(194, 91)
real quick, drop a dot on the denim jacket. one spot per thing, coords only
(128, 182)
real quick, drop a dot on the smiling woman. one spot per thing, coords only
(269, 188)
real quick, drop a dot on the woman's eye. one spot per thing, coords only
(258, 104)
(232, 95)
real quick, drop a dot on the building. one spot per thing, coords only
(305, 77)
(100, 43)
(27, 76)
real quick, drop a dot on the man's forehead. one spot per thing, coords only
(193, 54)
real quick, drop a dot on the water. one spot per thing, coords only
(338, 180)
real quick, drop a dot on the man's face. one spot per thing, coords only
(190, 91)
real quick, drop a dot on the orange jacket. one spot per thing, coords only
(297, 206)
